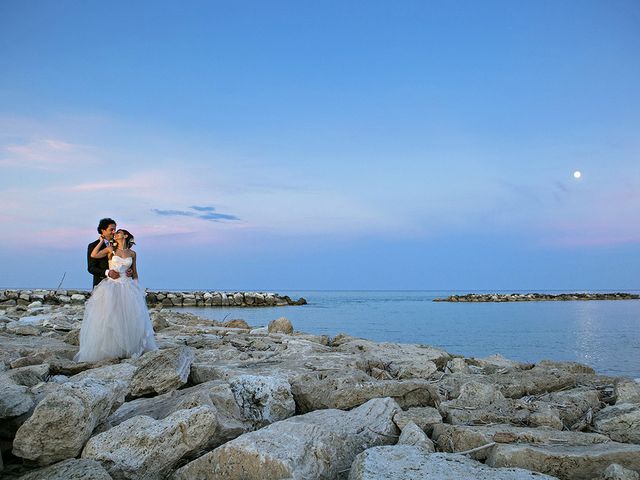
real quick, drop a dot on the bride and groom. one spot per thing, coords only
(116, 321)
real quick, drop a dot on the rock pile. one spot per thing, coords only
(231, 402)
(10, 298)
(536, 297)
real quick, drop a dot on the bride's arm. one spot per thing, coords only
(134, 269)
(97, 253)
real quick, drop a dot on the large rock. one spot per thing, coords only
(263, 400)
(144, 448)
(216, 394)
(161, 371)
(423, 417)
(618, 472)
(460, 438)
(14, 399)
(316, 445)
(627, 391)
(401, 361)
(74, 469)
(620, 422)
(348, 389)
(538, 380)
(29, 376)
(63, 421)
(280, 325)
(404, 462)
(566, 462)
(414, 435)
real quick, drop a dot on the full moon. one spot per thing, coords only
(577, 174)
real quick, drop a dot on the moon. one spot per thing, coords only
(577, 174)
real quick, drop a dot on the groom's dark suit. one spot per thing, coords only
(97, 266)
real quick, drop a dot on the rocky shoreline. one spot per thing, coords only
(10, 298)
(536, 297)
(228, 401)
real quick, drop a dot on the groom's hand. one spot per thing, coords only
(130, 272)
(113, 274)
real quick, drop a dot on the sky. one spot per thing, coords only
(296, 145)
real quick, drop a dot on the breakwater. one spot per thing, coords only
(154, 298)
(536, 297)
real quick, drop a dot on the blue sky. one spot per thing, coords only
(324, 145)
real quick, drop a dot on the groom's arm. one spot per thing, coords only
(93, 264)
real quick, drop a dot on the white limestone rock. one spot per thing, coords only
(316, 445)
(73, 469)
(280, 325)
(263, 400)
(64, 420)
(413, 435)
(566, 462)
(161, 371)
(423, 417)
(406, 462)
(14, 399)
(620, 422)
(142, 448)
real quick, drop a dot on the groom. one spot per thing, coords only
(99, 267)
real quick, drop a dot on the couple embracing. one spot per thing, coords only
(116, 321)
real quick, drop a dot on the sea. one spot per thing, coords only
(602, 334)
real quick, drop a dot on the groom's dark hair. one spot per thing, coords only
(104, 224)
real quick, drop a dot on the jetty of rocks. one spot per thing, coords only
(228, 401)
(10, 298)
(536, 297)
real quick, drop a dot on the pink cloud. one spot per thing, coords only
(46, 154)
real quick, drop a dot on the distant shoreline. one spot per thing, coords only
(536, 297)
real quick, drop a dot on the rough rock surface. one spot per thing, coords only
(64, 420)
(76, 469)
(263, 400)
(566, 462)
(280, 325)
(618, 472)
(247, 378)
(405, 462)
(315, 445)
(620, 422)
(413, 435)
(144, 448)
(161, 371)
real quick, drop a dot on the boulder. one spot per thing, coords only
(627, 391)
(460, 438)
(423, 417)
(618, 472)
(236, 323)
(144, 448)
(161, 371)
(566, 462)
(413, 435)
(402, 361)
(73, 469)
(30, 375)
(406, 462)
(14, 399)
(280, 325)
(263, 400)
(348, 389)
(64, 420)
(315, 445)
(620, 422)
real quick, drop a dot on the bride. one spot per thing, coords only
(116, 321)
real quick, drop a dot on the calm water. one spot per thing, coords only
(602, 334)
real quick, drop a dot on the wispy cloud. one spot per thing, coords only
(203, 213)
(46, 154)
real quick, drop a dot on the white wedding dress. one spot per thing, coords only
(116, 321)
